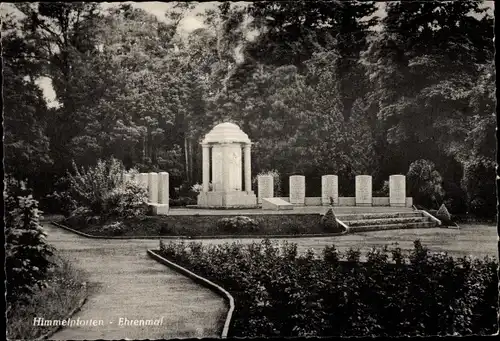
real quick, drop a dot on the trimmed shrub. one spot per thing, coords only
(443, 215)
(27, 253)
(283, 294)
(329, 222)
(239, 223)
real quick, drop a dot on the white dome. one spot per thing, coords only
(226, 132)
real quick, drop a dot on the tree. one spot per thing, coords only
(25, 112)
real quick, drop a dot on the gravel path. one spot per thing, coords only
(125, 283)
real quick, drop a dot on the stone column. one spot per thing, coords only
(126, 179)
(153, 188)
(163, 188)
(143, 181)
(248, 168)
(206, 166)
(225, 167)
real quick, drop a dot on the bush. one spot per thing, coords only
(329, 222)
(27, 253)
(127, 201)
(100, 191)
(281, 293)
(384, 191)
(480, 185)
(114, 229)
(425, 183)
(236, 224)
(443, 215)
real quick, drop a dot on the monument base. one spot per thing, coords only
(236, 199)
(397, 205)
(159, 209)
(363, 204)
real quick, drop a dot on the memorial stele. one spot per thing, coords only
(226, 151)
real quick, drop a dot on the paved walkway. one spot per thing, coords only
(126, 283)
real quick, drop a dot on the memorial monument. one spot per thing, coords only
(223, 160)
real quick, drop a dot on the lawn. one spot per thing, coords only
(478, 240)
(209, 225)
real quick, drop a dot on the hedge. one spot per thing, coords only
(280, 293)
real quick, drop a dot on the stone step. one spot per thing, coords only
(387, 215)
(366, 228)
(387, 221)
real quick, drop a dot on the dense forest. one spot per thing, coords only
(320, 87)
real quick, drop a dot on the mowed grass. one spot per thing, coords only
(64, 292)
(477, 240)
(205, 225)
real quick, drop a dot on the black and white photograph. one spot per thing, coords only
(249, 169)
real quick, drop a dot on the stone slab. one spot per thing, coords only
(297, 190)
(265, 187)
(363, 190)
(227, 199)
(276, 204)
(159, 209)
(329, 188)
(380, 201)
(397, 190)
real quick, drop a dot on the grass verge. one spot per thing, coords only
(66, 290)
(202, 226)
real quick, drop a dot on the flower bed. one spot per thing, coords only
(203, 225)
(279, 293)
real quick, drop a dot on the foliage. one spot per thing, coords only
(238, 223)
(100, 190)
(27, 253)
(314, 85)
(113, 229)
(330, 223)
(65, 289)
(425, 183)
(283, 294)
(443, 215)
(479, 184)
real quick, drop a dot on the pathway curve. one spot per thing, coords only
(126, 283)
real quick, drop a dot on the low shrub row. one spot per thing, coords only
(280, 293)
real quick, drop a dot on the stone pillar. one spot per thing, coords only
(206, 166)
(329, 188)
(217, 162)
(225, 167)
(142, 179)
(153, 188)
(265, 187)
(363, 190)
(248, 168)
(297, 190)
(397, 190)
(163, 189)
(126, 179)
